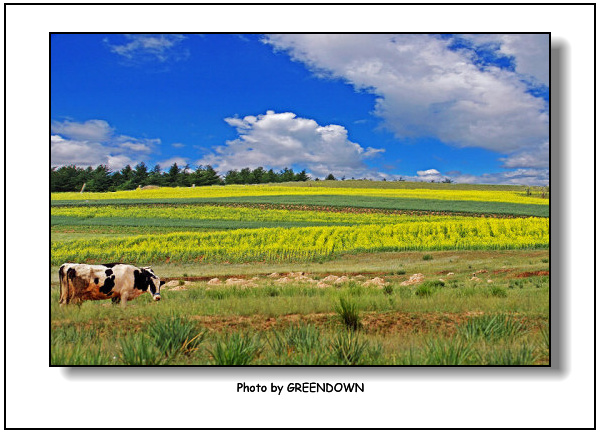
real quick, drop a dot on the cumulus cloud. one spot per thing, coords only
(279, 140)
(530, 52)
(93, 143)
(530, 157)
(90, 130)
(521, 176)
(145, 47)
(167, 163)
(430, 175)
(425, 88)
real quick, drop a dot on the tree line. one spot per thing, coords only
(71, 178)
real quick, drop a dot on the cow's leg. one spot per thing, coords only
(68, 294)
(62, 297)
(123, 300)
(116, 300)
(64, 294)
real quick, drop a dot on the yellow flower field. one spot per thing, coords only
(272, 190)
(300, 244)
(208, 212)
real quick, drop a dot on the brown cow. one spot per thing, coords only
(119, 282)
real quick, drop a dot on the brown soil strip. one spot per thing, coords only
(335, 209)
(383, 323)
(508, 270)
(372, 322)
(534, 273)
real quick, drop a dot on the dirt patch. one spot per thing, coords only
(354, 210)
(508, 270)
(373, 323)
(444, 272)
(260, 322)
(534, 273)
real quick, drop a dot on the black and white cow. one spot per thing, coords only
(119, 282)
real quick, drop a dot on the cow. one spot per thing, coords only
(119, 282)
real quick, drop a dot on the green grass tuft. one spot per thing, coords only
(294, 339)
(349, 313)
(236, 350)
(348, 348)
(455, 351)
(173, 335)
(521, 356)
(139, 350)
(491, 328)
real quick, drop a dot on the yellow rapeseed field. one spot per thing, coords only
(300, 244)
(209, 212)
(272, 190)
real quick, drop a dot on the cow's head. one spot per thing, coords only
(154, 283)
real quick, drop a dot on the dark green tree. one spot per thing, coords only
(258, 175)
(156, 177)
(287, 175)
(232, 177)
(127, 179)
(66, 179)
(172, 178)
(245, 176)
(140, 174)
(185, 176)
(302, 176)
(101, 180)
(212, 178)
(198, 177)
(270, 176)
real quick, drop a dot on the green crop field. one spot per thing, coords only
(339, 273)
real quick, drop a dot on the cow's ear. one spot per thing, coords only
(162, 283)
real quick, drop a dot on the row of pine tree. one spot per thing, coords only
(101, 179)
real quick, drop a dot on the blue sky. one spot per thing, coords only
(472, 108)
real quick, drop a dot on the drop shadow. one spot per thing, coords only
(559, 306)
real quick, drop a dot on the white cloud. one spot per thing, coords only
(430, 175)
(137, 147)
(167, 163)
(426, 89)
(521, 176)
(90, 130)
(93, 143)
(120, 161)
(530, 52)
(74, 152)
(530, 157)
(144, 47)
(278, 140)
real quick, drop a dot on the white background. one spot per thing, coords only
(557, 397)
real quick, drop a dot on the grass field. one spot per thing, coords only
(371, 273)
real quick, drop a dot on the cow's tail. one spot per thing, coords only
(63, 284)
